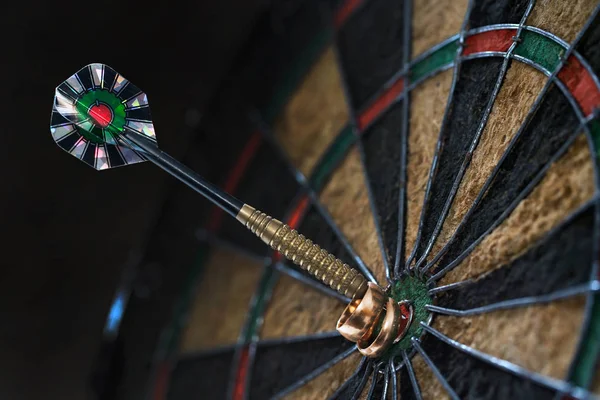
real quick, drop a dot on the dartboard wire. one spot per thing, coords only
(205, 352)
(593, 202)
(514, 369)
(434, 162)
(213, 239)
(394, 378)
(592, 298)
(526, 121)
(463, 224)
(295, 339)
(522, 195)
(305, 186)
(361, 371)
(403, 73)
(475, 141)
(315, 373)
(254, 345)
(450, 286)
(577, 290)
(583, 126)
(411, 374)
(250, 367)
(434, 369)
(363, 382)
(375, 380)
(361, 151)
(435, 71)
(406, 54)
(268, 279)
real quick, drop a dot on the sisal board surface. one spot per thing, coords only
(445, 15)
(324, 385)
(222, 300)
(521, 87)
(427, 103)
(431, 388)
(537, 337)
(296, 309)
(314, 115)
(562, 18)
(346, 199)
(567, 185)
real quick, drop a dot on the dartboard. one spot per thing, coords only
(447, 150)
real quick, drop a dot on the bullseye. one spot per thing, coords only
(101, 114)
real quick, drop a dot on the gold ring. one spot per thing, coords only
(361, 314)
(387, 334)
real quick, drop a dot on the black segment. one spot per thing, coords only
(562, 260)
(289, 37)
(220, 140)
(548, 130)
(89, 157)
(353, 387)
(589, 45)
(489, 12)
(382, 152)
(85, 78)
(166, 268)
(109, 77)
(142, 113)
(371, 45)
(201, 377)
(263, 180)
(276, 367)
(114, 155)
(473, 89)
(217, 153)
(474, 379)
(267, 185)
(69, 141)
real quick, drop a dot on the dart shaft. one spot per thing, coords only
(196, 182)
(294, 246)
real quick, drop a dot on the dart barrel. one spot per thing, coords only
(304, 253)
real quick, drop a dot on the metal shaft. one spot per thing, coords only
(196, 182)
(279, 236)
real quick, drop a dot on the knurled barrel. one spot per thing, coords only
(304, 253)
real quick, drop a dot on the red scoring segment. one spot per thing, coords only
(101, 114)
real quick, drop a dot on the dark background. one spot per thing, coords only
(68, 231)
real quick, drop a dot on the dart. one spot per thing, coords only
(104, 120)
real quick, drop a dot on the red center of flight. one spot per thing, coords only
(101, 114)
